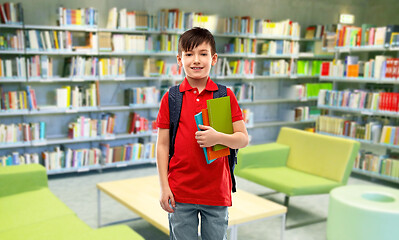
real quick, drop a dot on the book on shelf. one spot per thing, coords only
(11, 13)
(22, 132)
(77, 17)
(219, 112)
(12, 41)
(138, 124)
(15, 158)
(143, 95)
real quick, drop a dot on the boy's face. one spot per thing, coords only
(197, 62)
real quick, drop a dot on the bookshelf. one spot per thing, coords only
(362, 68)
(89, 49)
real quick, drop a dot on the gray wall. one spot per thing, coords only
(306, 12)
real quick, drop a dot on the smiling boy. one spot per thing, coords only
(190, 186)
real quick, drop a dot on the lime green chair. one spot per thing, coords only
(29, 210)
(299, 163)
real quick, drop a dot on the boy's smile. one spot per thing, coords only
(197, 63)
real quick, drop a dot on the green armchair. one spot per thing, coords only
(299, 163)
(29, 210)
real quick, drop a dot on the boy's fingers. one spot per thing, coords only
(203, 127)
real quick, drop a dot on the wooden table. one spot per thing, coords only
(141, 195)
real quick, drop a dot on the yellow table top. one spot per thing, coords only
(141, 195)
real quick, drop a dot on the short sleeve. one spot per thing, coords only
(163, 113)
(236, 113)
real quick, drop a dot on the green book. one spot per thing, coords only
(219, 112)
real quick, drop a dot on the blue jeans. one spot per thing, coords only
(183, 223)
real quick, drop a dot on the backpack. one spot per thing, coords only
(175, 103)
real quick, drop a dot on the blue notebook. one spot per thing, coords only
(199, 121)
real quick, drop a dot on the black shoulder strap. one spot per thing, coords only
(221, 92)
(175, 102)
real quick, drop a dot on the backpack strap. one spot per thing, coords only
(222, 92)
(175, 102)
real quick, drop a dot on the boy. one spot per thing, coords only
(190, 186)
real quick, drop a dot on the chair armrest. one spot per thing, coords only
(22, 178)
(263, 155)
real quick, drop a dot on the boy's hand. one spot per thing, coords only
(166, 197)
(206, 138)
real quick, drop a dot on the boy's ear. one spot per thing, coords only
(214, 59)
(178, 57)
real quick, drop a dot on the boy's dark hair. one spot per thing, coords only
(194, 37)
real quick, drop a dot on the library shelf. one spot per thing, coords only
(100, 167)
(368, 112)
(12, 80)
(12, 26)
(279, 123)
(78, 28)
(360, 80)
(375, 175)
(280, 100)
(12, 52)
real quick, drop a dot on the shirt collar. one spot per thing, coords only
(210, 85)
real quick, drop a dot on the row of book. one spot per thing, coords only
(77, 96)
(15, 158)
(22, 132)
(157, 67)
(304, 91)
(276, 67)
(11, 13)
(385, 165)
(241, 45)
(344, 126)
(366, 35)
(50, 40)
(317, 31)
(301, 113)
(18, 100)
(85, 127)
(243, 91)
(143, 95)
(78, 17)
(124, 19)
(76, 158)
(128, 152)
(140, 124)
(248, 117)
(279, 47)
(12, 41)
(382, 67)
(251, 26)
(360, 99)
(308, 67)
(176, 19)
(241, 67)
(10, 68)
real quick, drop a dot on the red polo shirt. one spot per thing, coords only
(191, 179)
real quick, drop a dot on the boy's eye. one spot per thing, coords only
(204, 54)
(188, 54)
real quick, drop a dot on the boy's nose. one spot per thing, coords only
(196, 58)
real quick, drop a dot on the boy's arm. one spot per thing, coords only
(211, 137)
(162, 165)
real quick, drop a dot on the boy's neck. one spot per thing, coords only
(200, 84)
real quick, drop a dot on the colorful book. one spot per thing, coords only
(220, 119)
(213, 154)
(199, 121)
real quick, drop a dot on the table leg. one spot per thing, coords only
(98, 208)
(282, 226)
(234, 232)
